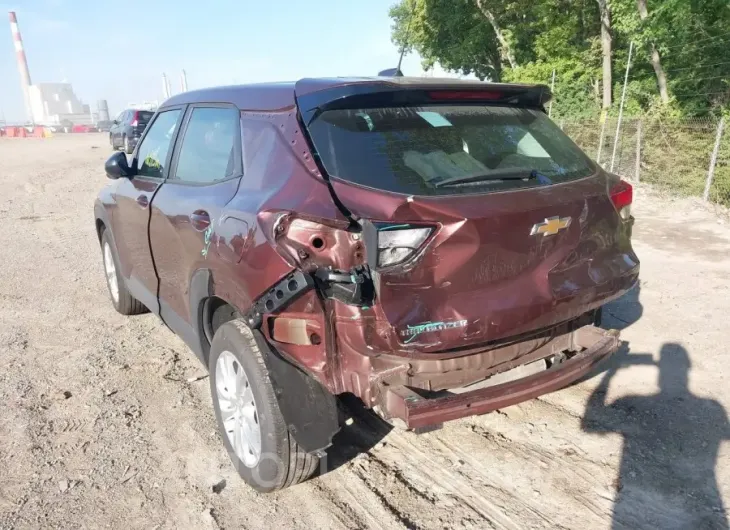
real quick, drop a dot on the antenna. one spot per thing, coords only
(397, 72)
(405, 43)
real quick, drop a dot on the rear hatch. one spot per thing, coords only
(482, 220)
(140, 119)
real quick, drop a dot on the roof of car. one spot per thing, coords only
(271, 96)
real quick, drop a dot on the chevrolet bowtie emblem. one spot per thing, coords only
(551, 226)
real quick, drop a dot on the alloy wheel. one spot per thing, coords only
(238, 409)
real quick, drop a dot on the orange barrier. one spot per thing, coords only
(41, 132)
(16, 132)
(22, 132)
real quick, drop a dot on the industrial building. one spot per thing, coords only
(57, 104)
(47, 103)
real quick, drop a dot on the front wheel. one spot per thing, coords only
(123, 302)
(251, 424)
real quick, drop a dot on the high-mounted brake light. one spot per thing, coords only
(397, 245)
(622, 195)
(450, 95)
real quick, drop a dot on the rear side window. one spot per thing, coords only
(152, 152)
(446, 149)
(207, 153)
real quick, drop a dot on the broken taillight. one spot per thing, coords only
(396, 244)
(622, 195)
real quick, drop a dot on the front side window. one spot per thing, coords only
(207, 152)
(152, 152)
(446, 149)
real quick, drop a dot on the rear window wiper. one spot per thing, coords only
(512, 174)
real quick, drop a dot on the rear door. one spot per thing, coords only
(206, 170)
(486, 220)
(134, 196)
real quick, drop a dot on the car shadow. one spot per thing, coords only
(624, 311)
(671, 441)
(361, 431)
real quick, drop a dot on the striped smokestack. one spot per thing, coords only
(22, 63)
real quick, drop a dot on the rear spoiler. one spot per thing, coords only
(390, 93)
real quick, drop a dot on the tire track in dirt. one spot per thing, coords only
(403, 452)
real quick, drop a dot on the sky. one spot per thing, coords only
(118, 50)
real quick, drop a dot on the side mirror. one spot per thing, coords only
(115, 122)
(116, 166)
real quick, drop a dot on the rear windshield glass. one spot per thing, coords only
(446, 149)
(144, 116)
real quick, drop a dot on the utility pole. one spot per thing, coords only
(552, 93)
(600, 140)
(637, 169)
(713, 160)
(621, 108)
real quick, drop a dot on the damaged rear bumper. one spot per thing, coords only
(405, 407)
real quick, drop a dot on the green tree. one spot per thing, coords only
(451, 32)
(680, 63)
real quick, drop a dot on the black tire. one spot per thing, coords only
(125, 303)
(598, 317)
(282, 462)
(127, 148)
(111, 141)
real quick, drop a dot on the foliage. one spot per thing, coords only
(450, 32)
(691, 36)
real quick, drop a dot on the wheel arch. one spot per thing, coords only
(101, 219)
(309, 410)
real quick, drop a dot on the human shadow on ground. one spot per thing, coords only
(670, 446)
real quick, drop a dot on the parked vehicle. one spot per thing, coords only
(104, 125)
(437, 248)
(127, 128)
(83, 128)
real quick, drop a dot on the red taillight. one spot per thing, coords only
(450, 95)
(134, 120)
(622, 195)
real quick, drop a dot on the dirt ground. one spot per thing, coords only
(100, 426)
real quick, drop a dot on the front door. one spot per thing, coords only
(204, 176)
(130, 220)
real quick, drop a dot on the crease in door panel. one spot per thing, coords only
(152, 254)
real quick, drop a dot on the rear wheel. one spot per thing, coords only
(122, 301)
(253, 429)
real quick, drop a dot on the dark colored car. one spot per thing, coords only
(437, 248)
(104, 125)
(127, 128)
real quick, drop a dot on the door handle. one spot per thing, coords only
(143, 201)
(200, 220)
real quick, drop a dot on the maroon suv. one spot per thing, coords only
(437, 248)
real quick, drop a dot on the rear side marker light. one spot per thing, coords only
(622, 195)
(398, 245)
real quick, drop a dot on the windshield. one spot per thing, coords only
(446, 149)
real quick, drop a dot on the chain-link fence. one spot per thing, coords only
(675, 154)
